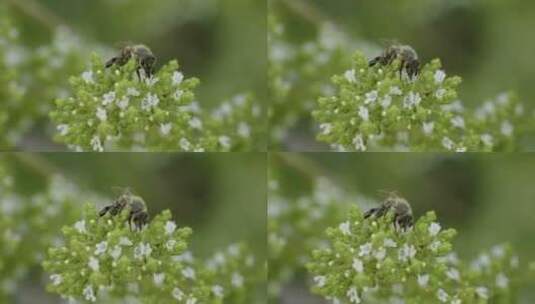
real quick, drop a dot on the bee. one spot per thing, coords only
(141, 53)
(401, 209)
(137, 215)
(405, 53)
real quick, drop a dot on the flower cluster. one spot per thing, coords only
(369, 259)
(29, 224)
(298, 73)
(295, 227)
(238, 124)
(379, 108)
(103, 257)
(12, 90)
(33, 77)
(114, 109)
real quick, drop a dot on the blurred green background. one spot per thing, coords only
(488, 198)
(488, 43)
(214, 40)
(221, 196)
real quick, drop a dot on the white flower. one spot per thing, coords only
(365, 249)
(458, 122)
(189, 273)
(440, 93)
(357, 265)
(380, 254)
(428, 127)
(165, 128)
(218, 291)
(178, 94)
(244, 130)
(353, 295)
(185, 144)
(406, 252)
(142, 250)
(101, 247)
(177, 294)
(132, 92)
(350, 76)
(56, 279)
(123, 102)
(96, 144)
(102, 114)
(170, 227)
(170, 245)
(124, 241)
(453, 274)
(411, 100)
(371, 97)
(456, 301)
(386, 101)
(192, 300)
(482, 292)
(177, 78)
(195, 123)
(150, 101)
(87, 76)
(390, 243)
(224, 141)
(434, 229)
(80, 226)
(358, 142)
(439, 76)
(447, 143)
(108, 98)
(320, 281)
(89, 294)
(363, 113)
(487, 139)
(158, 278)
(498, 251)
(116, 252)
(442, 295)
(93, 264)
(423, 280)
(434, 246)
(237, 280)
(345, 228)
(501, 280)
(326, 128)
(150, 81)
(63, 129)
(507, 128)
(395, 90)
(514, 261)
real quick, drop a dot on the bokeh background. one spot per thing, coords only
(488, 198)
(217, 195)
(488, 43)
(221, 42)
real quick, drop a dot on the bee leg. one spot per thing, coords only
(138, 75)
(104, 210)
(111, 62)
(374, 61)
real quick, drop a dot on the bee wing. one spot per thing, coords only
(120, 190)
(122, 44)
(388, 193)
(387, 42)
